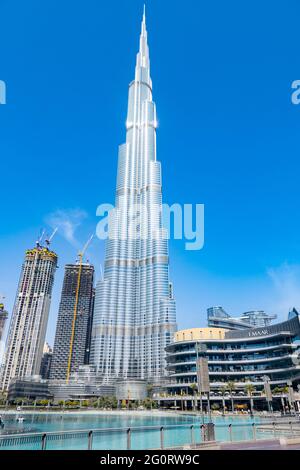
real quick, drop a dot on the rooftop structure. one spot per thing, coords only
(217, 317)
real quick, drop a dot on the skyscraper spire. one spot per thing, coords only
(144, 20)
(143, 55)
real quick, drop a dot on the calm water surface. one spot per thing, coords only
(109, 440)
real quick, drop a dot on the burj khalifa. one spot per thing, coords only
(135, 312)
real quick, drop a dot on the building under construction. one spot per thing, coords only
(27, 330)
(73, 330)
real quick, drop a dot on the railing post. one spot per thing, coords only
(274, 428)
(44, 441)
(202, 433)
(192, 435)
(128, 439)
(230, 432)
(90, 440)
(254, 431)
(162, 437)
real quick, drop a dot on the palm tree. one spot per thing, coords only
(149, 390)
(231, 387)
(193, 387)
(215, 406)
(19, 401)
(25, 401)
(44, 402)
(3, 397)
(223, 391)
(250, 389)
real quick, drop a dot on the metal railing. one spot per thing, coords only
(163, 436)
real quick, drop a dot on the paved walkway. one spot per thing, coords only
(273, 444)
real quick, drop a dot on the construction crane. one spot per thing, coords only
(40, 239)
(2, 297)
(48, 239)
(80, 260)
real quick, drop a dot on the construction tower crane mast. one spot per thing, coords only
(80, 261)
(39, 242)
(40, 239)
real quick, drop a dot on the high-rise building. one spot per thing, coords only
(27, 330)
(217, 317)
(72, 337)
(135, 314)
(46, 362)
(3, 318)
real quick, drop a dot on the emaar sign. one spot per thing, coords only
(2, 92)
(254, 333)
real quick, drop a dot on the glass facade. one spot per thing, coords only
(134, 315)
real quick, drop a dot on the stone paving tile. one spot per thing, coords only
(265, 445)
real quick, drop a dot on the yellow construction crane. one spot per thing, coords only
(80, 259)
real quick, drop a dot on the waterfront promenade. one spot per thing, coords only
(273, 444)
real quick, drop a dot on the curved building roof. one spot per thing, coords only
(199, 334)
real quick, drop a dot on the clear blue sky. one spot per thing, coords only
(228, 137)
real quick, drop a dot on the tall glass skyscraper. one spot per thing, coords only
(135, 314)
(27, 330)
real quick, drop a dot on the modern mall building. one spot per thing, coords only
(28, 388)
(244, 357)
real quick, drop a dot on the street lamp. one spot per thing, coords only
(197, 348)
(208, 431)
(291, 396)
(202, 375)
